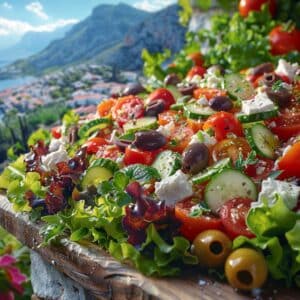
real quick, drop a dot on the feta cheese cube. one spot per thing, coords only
(260, 103)
(202, 101)
(174, 188)
(50, 160)
(286, 69)
(270, 187)
(203, 137)
(167, 129)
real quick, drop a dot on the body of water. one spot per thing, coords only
(14, 82)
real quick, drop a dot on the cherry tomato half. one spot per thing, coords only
(169, 116)
(261, 170)
(56, 132)
(286, 125)
(197, 58)
(180, 137)
(128, 108)
(162, 94)
(93, 144)
(109, 151)
(208, 93)
(104, 108)
(233, 215)
(192, 226)
(283, 42)
(231, 148)
(290, 162)
(196, 70)
(223, 123)
(136, 156)
(246, 6)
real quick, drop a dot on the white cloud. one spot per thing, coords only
(37, 9)
(152, 5)
(7, 5)
(15, 27)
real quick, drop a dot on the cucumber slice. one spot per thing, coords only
(88, 128)
(167, 163)
(196, 111)
(211, 171)
(227, 185)
(258, 116)
(262, 140)
(175, 92)
(100, 170)
(145, 123)
(238, 87)
(177, 106)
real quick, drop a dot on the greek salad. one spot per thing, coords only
(203, 171)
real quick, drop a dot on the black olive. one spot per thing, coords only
(133, 89)
(149, 140)
(221, 103)
(195, 158)
(187, 90)
(171, 79)
(155, 108)
(262, 68)
(282, 97)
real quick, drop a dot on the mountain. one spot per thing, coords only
(105, 28)
(159, 31)
(31, 43)
(113, 35)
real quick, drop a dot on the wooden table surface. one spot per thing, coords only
(105, 278)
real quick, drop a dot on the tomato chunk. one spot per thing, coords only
(136, 156)
(93, 144)
(223, 123)
(192, 226)
(233, 215)
(162, 94)
(290, 162)
(128, 108)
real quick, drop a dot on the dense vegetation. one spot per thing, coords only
(16, 128)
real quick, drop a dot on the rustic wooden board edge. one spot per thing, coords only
(106, 278)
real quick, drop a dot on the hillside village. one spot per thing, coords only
(80, 88)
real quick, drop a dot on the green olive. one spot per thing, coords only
(246, 269)
(212, 248)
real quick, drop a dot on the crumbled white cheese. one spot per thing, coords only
(287, 69)
(55, 144)
(174, 188)
(202, 101)
(203, 137)
(260, 103)
(167, 129)
(50, 160)
(197, 79)
(270, 187)
(213, 81)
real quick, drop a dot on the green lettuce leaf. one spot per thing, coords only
(141, 173)
(164, 259)
(293, 238)
(39, 135)
(16, 170)
(272, 220)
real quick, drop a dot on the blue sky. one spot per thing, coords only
(20, 16)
